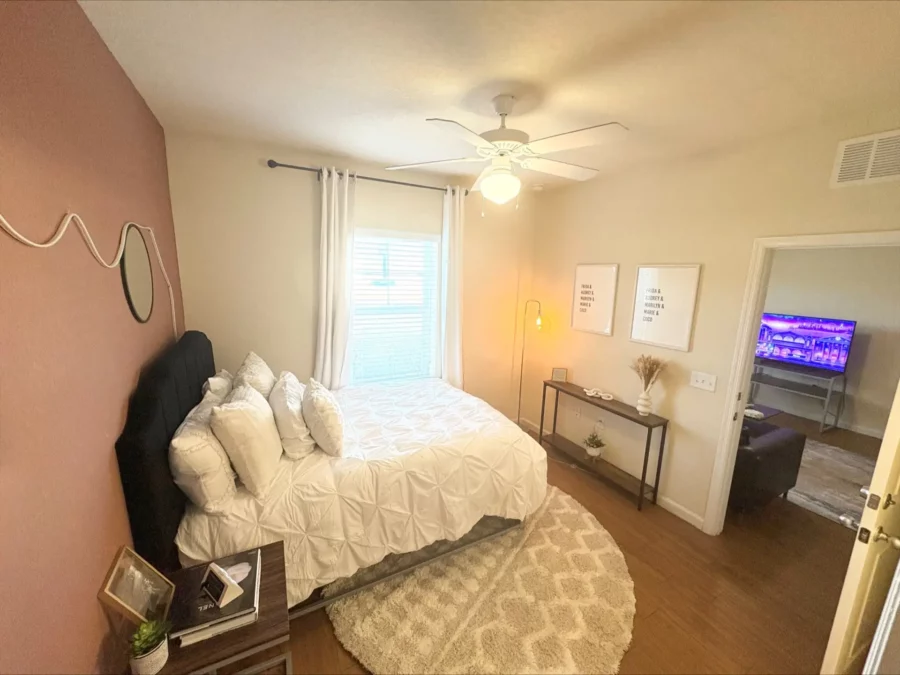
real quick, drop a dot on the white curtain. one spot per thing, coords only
(452, 287)
(335, 277)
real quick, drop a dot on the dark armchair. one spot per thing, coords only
(768, 461)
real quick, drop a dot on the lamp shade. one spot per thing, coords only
(500, 185)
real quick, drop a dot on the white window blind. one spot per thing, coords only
(394, 329)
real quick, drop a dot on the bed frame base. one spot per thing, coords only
(485, 529)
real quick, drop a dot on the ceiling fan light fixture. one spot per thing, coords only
(500, 185)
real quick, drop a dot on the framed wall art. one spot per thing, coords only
(594, 300)
(664, 300)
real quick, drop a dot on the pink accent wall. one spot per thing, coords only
(74, 134)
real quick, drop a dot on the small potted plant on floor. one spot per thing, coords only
(149, 647)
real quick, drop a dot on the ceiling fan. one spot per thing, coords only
(505, 148)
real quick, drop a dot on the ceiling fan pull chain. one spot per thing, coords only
(482, 205)
(517, 202)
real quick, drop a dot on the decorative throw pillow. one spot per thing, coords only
(324, 418)
(286, 400)
(255, 373)
(219, 384)
(198, 461)
(246, 428)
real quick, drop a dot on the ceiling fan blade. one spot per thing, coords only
(477, 186)
(557, 168)
(462, 132)
(437, 161)
(582, 138)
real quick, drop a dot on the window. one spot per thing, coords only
(395, 323)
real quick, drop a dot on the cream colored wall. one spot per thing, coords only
(248, 246)
(381, 206)
(248, 242)
(708, 210)
(862, 284)
(496, 284)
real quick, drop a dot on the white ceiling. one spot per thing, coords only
(359, 78)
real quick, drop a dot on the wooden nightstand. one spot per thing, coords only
(262, 648)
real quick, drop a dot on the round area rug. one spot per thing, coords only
(553, 596)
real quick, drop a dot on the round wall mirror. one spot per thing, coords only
(137, 276)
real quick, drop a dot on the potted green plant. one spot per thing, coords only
(150, 647)
(594, 444)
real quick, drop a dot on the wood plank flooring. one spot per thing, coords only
(757, 599)
(851, 441)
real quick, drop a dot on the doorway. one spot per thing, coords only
(743, 363)
(825, 373)
(870, 568)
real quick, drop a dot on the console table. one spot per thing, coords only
(825, 385)
(597, 464)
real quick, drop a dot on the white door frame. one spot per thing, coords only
(742, 363)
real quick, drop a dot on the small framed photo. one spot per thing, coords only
(559, 374)
(136, 589)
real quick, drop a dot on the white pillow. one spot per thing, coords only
(219, 384)
(286, 400)
(324, 418)
(198, 461)
(256, 373)
(246, 428)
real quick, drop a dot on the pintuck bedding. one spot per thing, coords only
(422, 461)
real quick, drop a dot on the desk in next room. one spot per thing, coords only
(596, 464)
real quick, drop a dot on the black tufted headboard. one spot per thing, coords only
(167, 390)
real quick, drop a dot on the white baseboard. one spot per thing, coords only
(528, 425)
(668, 504)
(865, 431)
(677, 509)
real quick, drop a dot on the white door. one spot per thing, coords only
(872, 562)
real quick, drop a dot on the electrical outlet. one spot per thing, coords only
(703, 380)
(577, 412)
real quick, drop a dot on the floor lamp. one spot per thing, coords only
(522, 358)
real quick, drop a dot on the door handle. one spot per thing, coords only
(864, 491)
(848, 521)
(881, 535)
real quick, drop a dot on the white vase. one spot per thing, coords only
(153, 661)
(644, 403)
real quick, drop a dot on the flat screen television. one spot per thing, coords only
(805, 341)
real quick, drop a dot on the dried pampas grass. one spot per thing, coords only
(648, 368)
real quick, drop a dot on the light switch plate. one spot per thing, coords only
(703, 380)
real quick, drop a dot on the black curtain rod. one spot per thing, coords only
(278, 165)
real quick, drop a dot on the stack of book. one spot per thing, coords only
(196, 617)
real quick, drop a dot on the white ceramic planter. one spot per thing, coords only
(644, 403)
(153, 661)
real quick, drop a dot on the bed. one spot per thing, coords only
(423, 462)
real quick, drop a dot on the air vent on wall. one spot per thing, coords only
(869, 159)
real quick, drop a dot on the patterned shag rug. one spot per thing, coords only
(830, 479)
(553, 596)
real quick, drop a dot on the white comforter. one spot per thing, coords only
(423, 461)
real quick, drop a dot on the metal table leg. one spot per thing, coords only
(840, 410)
(555, 409)
(827, 406)
(662, 447)
(640, 502)
(541, 430)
